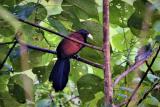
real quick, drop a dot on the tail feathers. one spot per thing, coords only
(59, 74)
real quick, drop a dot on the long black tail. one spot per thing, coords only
(59, 74)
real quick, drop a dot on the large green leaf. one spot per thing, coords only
(42, 72)
(45, 103)
(120, 12)
(78, 69)
(35, 12)
(81, 8)
(3, 82)
(10, 2)
(88, 86)
(6, 29)
(139, 23)
(16, 87)
(3, 50)
(120, 41)
(57, 25)
(34, 59)
(92, 55)
(7, 101)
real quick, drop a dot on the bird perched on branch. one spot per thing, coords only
(65, 50)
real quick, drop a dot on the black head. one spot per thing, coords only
(85, 33)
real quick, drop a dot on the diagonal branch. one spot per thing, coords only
(76, 57)
(146, 94)
(133, 67)
(10, 50)
(149, 67)
(139, 84)
(51, 31)
(6, 43)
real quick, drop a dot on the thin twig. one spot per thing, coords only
(121, 104)
(54, 52)
(51, 31)
(150, 69)
(71, 99)
(146, 94)
(139, 84)
(6, 43)
(5, 59)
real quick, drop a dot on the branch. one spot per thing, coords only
(133, 67)
(108, 89)
(5, 59)
(146, 94)
(70, 100)
(149, 67)
(6, 43)
(78, 58)
(51, 31)
(137, 87)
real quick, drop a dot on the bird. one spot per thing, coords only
(65, 50)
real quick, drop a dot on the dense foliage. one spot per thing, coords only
(24, 75)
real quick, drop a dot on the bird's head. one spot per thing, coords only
(85, 34)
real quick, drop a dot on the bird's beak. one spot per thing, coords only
(90, 36)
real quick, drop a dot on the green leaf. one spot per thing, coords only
(32, 11)
(34, 59)
(139, 24)
(53, 7)
(120, 12)
(118, 69)
(151, 102)
(98, 96)
(78, 69)
(57, 25)
(155, 93)
(152, 77)
(100, 102)
(88, 86)
(3, 82)
(92, 55)
(6, 29)
(10, 2)
(16, 87)
(120, 42)
(45, 103)
(157, 38)
(8, 101)
(82, 7)
(3, 50)
(42, 72)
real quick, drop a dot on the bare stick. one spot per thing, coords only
(108, 89)
(6, 43)
(9, 52)
(51, 31)
(54, 52)
(148, 67)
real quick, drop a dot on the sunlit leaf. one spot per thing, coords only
(88, 86)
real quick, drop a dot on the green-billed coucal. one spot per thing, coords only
(65, 50)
